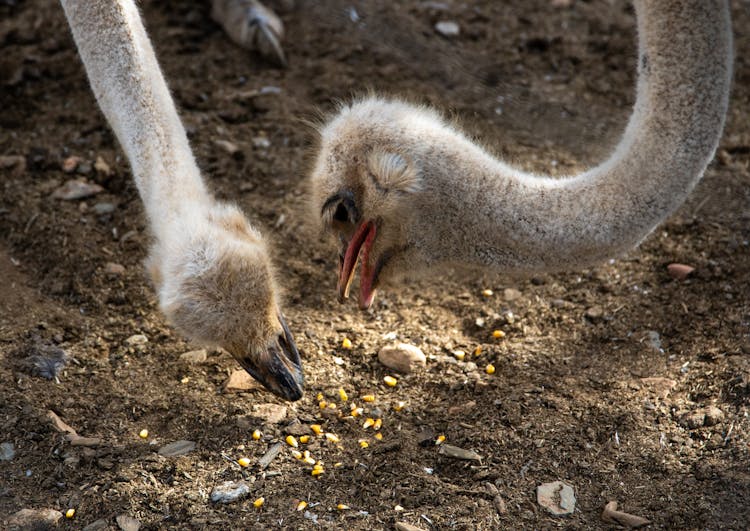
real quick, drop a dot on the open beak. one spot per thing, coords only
(279, 368)
(358, 250)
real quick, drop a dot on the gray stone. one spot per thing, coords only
(230, 491)
(557, 497)
(127, 523)
(76, 189)
(34, 519)
(403, 357)
(448, 28)
(7, 452)
(97, 525)
(177, 448)
(195, 356)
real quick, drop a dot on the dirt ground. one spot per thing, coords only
(603, 379)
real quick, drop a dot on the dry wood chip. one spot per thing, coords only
(613, 516)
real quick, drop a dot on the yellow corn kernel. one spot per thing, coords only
(323, 404)
(304, 439)
(390, 381)
(143, 434)
(337, 465)
(346, 343)
(320, 396)
(379, 436)
(342, 394)
(398, 406)
(490, 369)
(309, 460)
(317, 429)
(478, 350)
(378, 424)
(70, 513)
(459, 354)
(244, 462)
(440, 440)
(332, 437)
(331, 406)
(363, 443)
(498, 334)
(368, 398)
(356, 412)
(257, 434)
(297, 454)
(342, 507)
(487, 292)
(302, 505)
(185, 380)
(291, 441)
(317, 471)
(259, 502)
(368, 423)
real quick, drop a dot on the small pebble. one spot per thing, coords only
(229, 491)
(113, 269)
(459, 453)
(34, 519)
(230, 147)
(557, 497)
(7, 452)
(679, 271)
(137, 339)
(76, 189)
(448, 28)
(510, 294)
(403, 357)
(240, 381)
(101, 167)
(127, 523)
(103, 208)
(195, 356)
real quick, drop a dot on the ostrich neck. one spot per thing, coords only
(133, 95)
(513, 220)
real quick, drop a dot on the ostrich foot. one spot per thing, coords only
(251, 25)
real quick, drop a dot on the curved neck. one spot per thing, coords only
(530, 222)
(133, 95)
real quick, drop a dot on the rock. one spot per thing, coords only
(58, 424)
(296, 428)
(261, 142)
(404, 526)
(557, 497)
(271, 413)
(426, 437)
(459, 453)
(713, 416)
(127, 523)
(240, 381)
(103, 208)
(101, 167)
(136, 340)
(611, 515)
(510, 294)
(97, 525)
(7, 452)
(176, 448)
(113, 269)
(653, 340)
(70, 164)
(679, 271)
(448, 28)
(76, 189)
(195, 356)
(230, 491)
(34, 519)
(693, 420)
(595, 313)
(402, 357)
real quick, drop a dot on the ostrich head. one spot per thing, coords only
(216, 285)
(368, 188)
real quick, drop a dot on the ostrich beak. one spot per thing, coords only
(279, 368)
(358, 250)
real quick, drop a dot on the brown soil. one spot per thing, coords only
(548, 88)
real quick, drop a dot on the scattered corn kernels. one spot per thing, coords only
(459, 354)
(304, 439)
(185, 380)
(332, 437)
(390, 381)
(363, 443)
(379, 436)
(309, 460)
(368, 398)
(440, 440)
(243, 462)
(297, 454)
(342, 394)
(490, 369)
(302, 505)
(317, 471)
(356, 412)
(368, 423)
(257, 434)
(487, 292)
(378, 424)
(398, 406)
(143, 434)
(498, 334)
(478, 350)
(317, 429)
(259, 502)
(337, 465)
(323, 404)
(342, 507)
(346, 343)
(291, 441)
(70, 513)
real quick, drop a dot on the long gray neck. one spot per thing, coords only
(133, 95)
(514, 220)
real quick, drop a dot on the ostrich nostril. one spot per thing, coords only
(342, 214)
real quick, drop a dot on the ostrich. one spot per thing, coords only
(210, 266)
(251, 25)
(404, 191)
